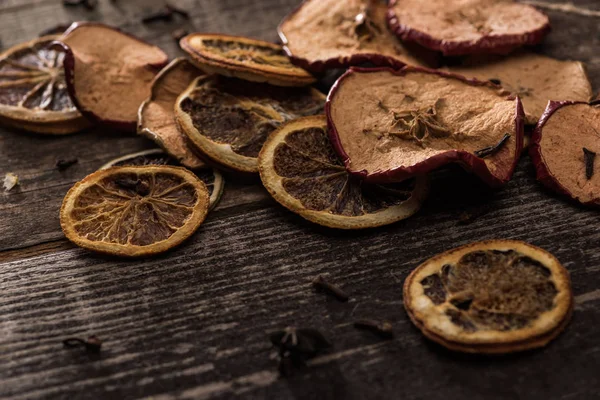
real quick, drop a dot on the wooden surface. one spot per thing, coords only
(193, 323)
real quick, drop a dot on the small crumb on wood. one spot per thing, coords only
(383, 329)
(10, 181)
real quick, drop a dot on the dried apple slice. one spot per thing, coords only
(392, 125)
(302, 172)
(535, 78)
(156, 118)
(212, 178)
(459, 27)
(498, 296)
(134, 211)
(33, 92)
(109, 73)
(228, 120)
(563, 148)
(325, 34)
(244, 58)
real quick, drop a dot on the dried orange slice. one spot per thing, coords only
(134, 211)
(228, 119)
(245, 58)
(497, 296)
(212, 178)
(300, 169)
(33, 91)
(156, 119)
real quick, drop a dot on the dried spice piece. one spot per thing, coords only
(388, 126)
(491, 150)
(244, 58)
(498, 296)
(456, 27)
(321, 284)
(179, 34)
(296, 346)
(91, 345)
(134, 211)
(556, 150)
(383, 329)
(535, 78)
(326, 34)
(212, 178)
(177, 11)
(33, 91)
(589, 157)
(64, 164)
(227, 120)
(109, 73)
(300, 169)
(166, 13)
(156, 117)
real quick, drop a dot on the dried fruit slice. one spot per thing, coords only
(245, 58)
(108, 72)
(156, 118)
(302, 172)
(563, 148)
(212, 178)
(134, 211)
(459, 27)
(535, 78)
(392, 125)
(228, 119)
(324, 34)
(498, 296)
(33, 92)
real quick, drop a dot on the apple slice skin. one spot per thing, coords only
(69, 65)
(503, 44)
(543, 174)
(467, 160)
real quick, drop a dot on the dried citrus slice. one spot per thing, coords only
(33, 92)
(212, 178)
(228, 119)
(497, 296)
(564, 147)
(302, 172)
(156, 119)
(459, 27)
(391, 125)
(535, 78)
(245, 58)
(134, 211)
(325, 34)
(109, 73)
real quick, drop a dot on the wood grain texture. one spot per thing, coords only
(193, 323)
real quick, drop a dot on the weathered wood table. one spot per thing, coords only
(194, 323)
